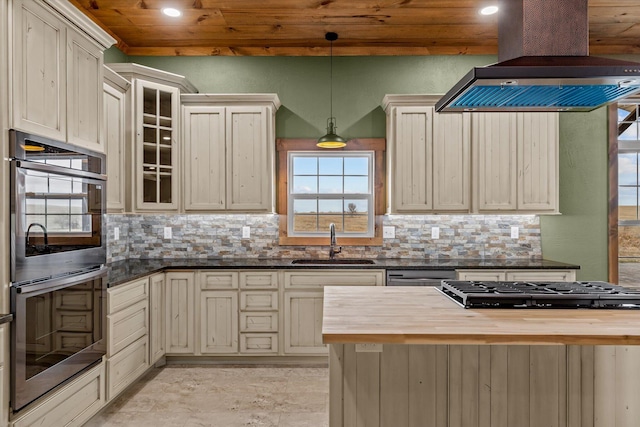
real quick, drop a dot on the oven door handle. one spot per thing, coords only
(60, 282)
(43, 167)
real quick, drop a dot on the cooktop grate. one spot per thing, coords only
(486, 294)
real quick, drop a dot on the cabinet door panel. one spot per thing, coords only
(495, 143)
(157, 320)
(219, 317)
(39, 85)
(114, 134)
(538, 161)
(303, 322)
(84, 92)
(180, 316)
(248, 164)
(451, 156)
(413, 154)
(204, 145)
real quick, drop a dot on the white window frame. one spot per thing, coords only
(370, 196)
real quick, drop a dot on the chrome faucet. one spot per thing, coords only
(332, 233)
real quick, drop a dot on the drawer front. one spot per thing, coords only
(72, 405)
(259, 343)
(259, 279)
(123, 296)
(127, 326)
(72, 342)
(258, 301)
(541, 275)
(487, 275)
(125, 367)
(218, 280)
(259, 322)
(75, 321)
(306, 279)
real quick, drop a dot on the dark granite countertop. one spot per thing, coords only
(131, 269)
(5, 318)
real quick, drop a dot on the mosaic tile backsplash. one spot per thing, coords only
(220, 236)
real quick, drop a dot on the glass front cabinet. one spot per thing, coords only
(156, 145)
(154, 139)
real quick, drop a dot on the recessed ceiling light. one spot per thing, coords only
(170, 11)
(489, 10)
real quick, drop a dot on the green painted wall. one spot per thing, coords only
(578, 236)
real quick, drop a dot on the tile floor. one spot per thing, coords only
(217, 395)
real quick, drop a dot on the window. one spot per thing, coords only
(56, 201)
(628, 164)
(329, 187)
(318, 187)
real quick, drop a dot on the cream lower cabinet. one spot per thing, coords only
(517, 275)
(57, 72)
(157, 321)
(127, 335)
(70, 406)
(303, 297)
(218, 322)
(229, 151)
(180, 312)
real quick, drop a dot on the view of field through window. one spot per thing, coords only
(628, 183)
(331, 188)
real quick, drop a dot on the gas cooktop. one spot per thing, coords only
(484, 294)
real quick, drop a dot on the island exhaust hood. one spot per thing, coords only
(543, 49)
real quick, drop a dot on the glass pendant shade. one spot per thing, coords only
(331, 139)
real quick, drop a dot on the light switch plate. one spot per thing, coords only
(116, 233)
(388, 232)
(167, 232)
(515, 232)
(368, 348)
(246, 232)
(435, 232)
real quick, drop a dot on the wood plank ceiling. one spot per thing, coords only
(365, 27)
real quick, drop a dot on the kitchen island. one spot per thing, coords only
(442, 365)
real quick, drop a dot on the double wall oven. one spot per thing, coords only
(58, 252)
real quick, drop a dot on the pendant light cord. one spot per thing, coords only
(331, 78)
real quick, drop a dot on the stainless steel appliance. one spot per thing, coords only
(418, 277)
(487, 294)
(58, 252)
(58, 201)
(58, 331)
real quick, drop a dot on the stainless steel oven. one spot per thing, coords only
(57, 332)
(58, 202)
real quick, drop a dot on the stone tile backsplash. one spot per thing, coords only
(220, 236)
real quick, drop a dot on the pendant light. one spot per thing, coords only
(331, 139)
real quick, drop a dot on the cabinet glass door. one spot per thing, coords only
(157, 127)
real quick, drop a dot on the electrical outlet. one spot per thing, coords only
(368, 348)
(167, 232)
(116, 233)
(515, 232)
(246, 232)
(435, 232)
(388, 232)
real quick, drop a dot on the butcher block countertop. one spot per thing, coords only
(422, 315)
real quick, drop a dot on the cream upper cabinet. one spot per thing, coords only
(155, 135)
(116, 90)
(495, 154)
(205, 153)
(516, 162)
(538, 168)
(229, 149)
(56, 58)
(428, 156)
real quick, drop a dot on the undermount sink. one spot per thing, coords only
(333, 261)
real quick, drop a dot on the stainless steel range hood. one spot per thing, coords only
(546, 68)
